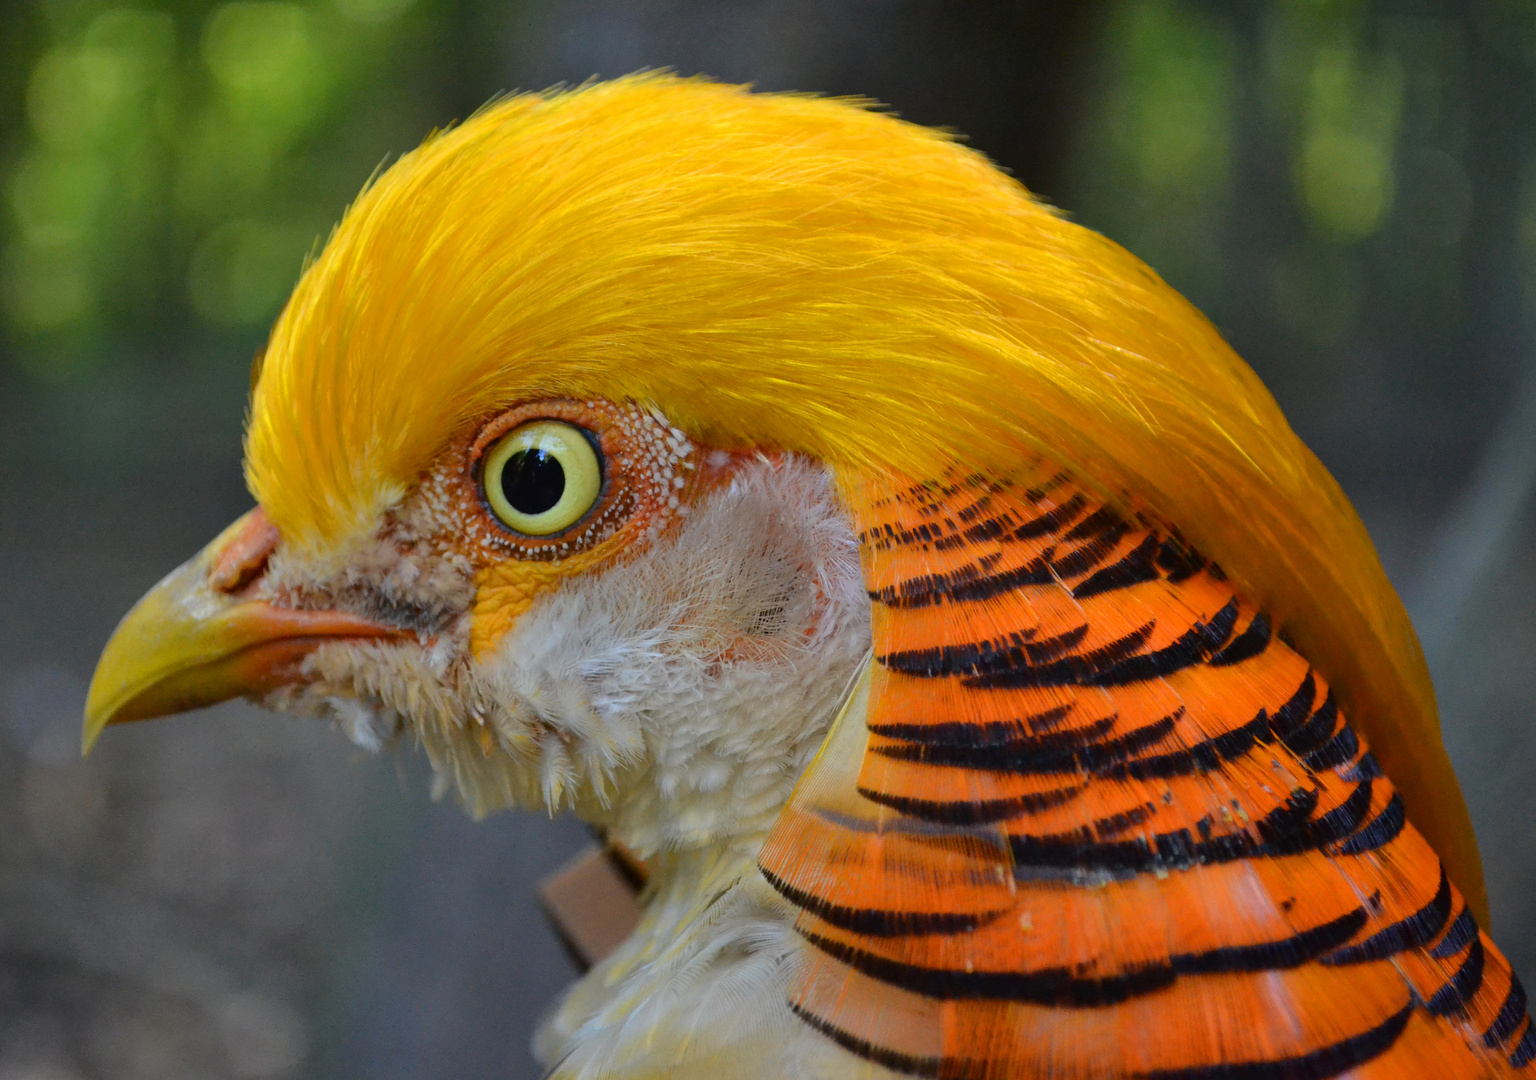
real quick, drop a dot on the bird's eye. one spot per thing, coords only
(542, 478)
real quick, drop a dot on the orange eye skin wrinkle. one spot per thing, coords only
(652, 473)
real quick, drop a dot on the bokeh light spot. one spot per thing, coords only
(73, 94)
(268, 62)
(242, 270)
(57, 195)
(1345, 165)
(258, 45)
(374, 11)
(144, 41)
(46, 287)
(1347, 181)
(81, 94)
(1176, 123)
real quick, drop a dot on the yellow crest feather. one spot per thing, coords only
(808, 274)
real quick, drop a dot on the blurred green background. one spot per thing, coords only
(1347, 188)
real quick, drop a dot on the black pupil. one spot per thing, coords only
(532, 481)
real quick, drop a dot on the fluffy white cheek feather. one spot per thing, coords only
(690, 686)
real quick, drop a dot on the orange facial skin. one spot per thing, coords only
(653, 475)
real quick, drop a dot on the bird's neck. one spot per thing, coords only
(712, 932)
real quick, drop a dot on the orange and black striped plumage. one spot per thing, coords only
(1105, 822)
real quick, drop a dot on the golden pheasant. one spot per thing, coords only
(918, 583)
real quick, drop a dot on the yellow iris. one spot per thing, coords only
(542, 477)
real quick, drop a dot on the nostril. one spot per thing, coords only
(245, 557)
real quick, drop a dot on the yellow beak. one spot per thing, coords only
(197, 638)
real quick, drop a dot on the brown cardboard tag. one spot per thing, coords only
(592, 901)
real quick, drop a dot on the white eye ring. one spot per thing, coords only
(542, 478)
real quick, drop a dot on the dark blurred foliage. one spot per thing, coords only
(1347, 187)
(171, 164)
